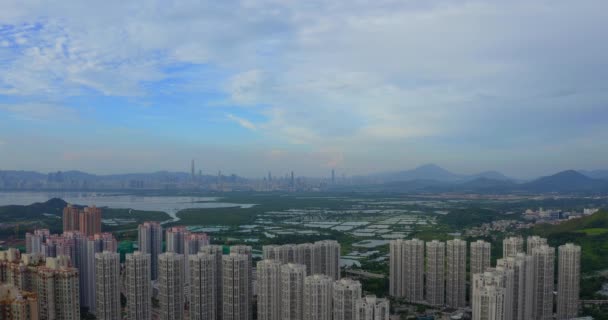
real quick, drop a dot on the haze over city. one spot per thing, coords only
(250, 86)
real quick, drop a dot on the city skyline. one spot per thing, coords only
(248, 86)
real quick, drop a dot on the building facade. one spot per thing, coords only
(138, 285)
(456, 273)
(568, 281)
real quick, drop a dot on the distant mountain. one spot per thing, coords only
(484, 184)
(433, 172)
(595, 174)
(566, 181)
(492, 175)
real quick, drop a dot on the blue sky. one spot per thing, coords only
(250, 86)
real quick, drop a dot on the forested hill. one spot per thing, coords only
(590, 232)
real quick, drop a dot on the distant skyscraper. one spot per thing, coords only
(203, 278)
(192, 170)
(292, 294)
(318, 296)
(512, 246)
(492, 294)
(326, 258)
(372, 308)
(534, 242)
(150, 240)
(457, 273)
(171, 286)
(236, 287)
(107, 284)
(195, 241)
(217, 252)
(480, 256)
(435, 273)
(269, 289)
(87, 220)
(568, 281)
(522, 293)
(138, 285)
(407, 269)
(345, 296)
(333, 176)
(71, 218)
(544, 259)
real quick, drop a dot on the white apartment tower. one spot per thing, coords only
(346, 293)
(318, 297)
(544, 259)
(216, 251)
(456, 273)
(407, 269)
(568, 281)
(269, 289)
(138, 285)
(512, 246)
(534, 242)
(292, 291)
(203, 286)
(326, 258)
(236, 287)
(171, 285)
(396, 278)
(435, 273)
(480, 256)
(372, 308)
(150, 241)
(107, 285)
(492, 294)
(523, 284)
(246, 250)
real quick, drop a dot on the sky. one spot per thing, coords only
(250, 86)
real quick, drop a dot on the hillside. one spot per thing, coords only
(566, 181)
(590, 232)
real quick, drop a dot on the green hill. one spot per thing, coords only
(590, 232)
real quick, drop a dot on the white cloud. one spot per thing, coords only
(40, 111)
(242, 122)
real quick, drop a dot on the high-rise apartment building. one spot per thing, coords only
(318, 297)
(456, 251)
(534, 242)
(87, 220)
(107, 285)
(17, 304)
(321, 257)
(396, 276)
(35, 240)
(150, 240)
(71, 218)
(544, 259)
(195, 241)
(246, 250)
(58, 290)
(269, 289)
(491, 298)
(217, 252)
(523, 284)
(236, 285)
(326, 258)
(512, 246)
(372, 308)
(203, 286)
(407, 269)
(292, 291)
(138, 285)
(568, 281)
(480, 256)
(435, 273)
(346, 293)
(171, 286)
(87, 247)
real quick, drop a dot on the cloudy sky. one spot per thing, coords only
(255, 85)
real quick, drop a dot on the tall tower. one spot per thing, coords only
(544, 259)
(492, 294)
(318, 295)
(192, 170)
(457, 273)
(171, 286)
(522, 293)
(217, 252)
(138, 285)
(107, 284)
(413, 268)
(435, 274)
(269, 290)
(246, 250)
(333, 176)
(177, 242)
(568, 281)
(396, 261)
(512, 246)
(203, 273)
(292, 285)
(150, 240)
(195, 241)
(326, 258)
(58, 291)
(236, 287)
(534, 242)
(480, 256)
(346, 294)
(372, 308)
